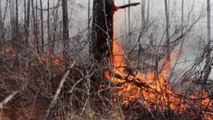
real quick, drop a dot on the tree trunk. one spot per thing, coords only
(143, 20)
(42, 26)
(35, 28)
(208, 64)
(13, 22)
(65, 29)
(27, 23)
(167, 25)
(129, 23)
(102, 29)
(18, 40)
(1, 24)
(55, 26)
(182, 17)
(48, 27)
(167, 30)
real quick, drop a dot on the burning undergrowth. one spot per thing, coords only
(152, 90)
(133, 94)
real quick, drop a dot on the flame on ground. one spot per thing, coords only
(152, 88)
(56, 59)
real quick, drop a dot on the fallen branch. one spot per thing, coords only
(58, 91)
(7, 99)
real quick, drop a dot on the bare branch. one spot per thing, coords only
(128, 5)
(7, 99)
(58, 91)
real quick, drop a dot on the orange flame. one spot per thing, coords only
(56, 59)
(152, 89)
(9, 51)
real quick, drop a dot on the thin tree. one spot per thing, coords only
(42, 26)
(88, 17)
(167, 26)
(129, 21)
(1, 23)
(55, 26)
(48, 27)
(207, 67)
(89, 11)
(0, 13)
(17, 21)
(182, 16)
(13, 22)
(35, 28)
(27, 22)
(65, 29)
(143, 20)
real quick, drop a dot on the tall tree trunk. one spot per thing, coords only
(35, 28)
(89, 11)
(27, 23)
(129, 23)
(48, 27)
(1, 13)
(102, 29)
(18, 41)
(88, 17)
(42, 26)
(55, 26)
(167, 27)
(65, 29)
(147, 10)
(182, 16)
(1, 24)
(17, 16)
(143, 20)
(13, 22)
(208, 64)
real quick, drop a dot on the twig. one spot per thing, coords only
(7, 99)
(55, 98)
(73, 87)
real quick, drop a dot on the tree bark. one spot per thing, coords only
(65, 29)
(35, 28)
(143, 20)
(167, 25)
(129, 22)
(42, 26)
(1, 23)
(13, 22)
(208, 64)
(55, 27)
(48, 27)
(27, 23)
(102, 29)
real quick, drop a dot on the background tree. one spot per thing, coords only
(42, 26)
(167, 25)
(1, 23)
(27, 22)
(208, 64)
(65, 29)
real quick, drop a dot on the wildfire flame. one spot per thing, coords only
(151, 88)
